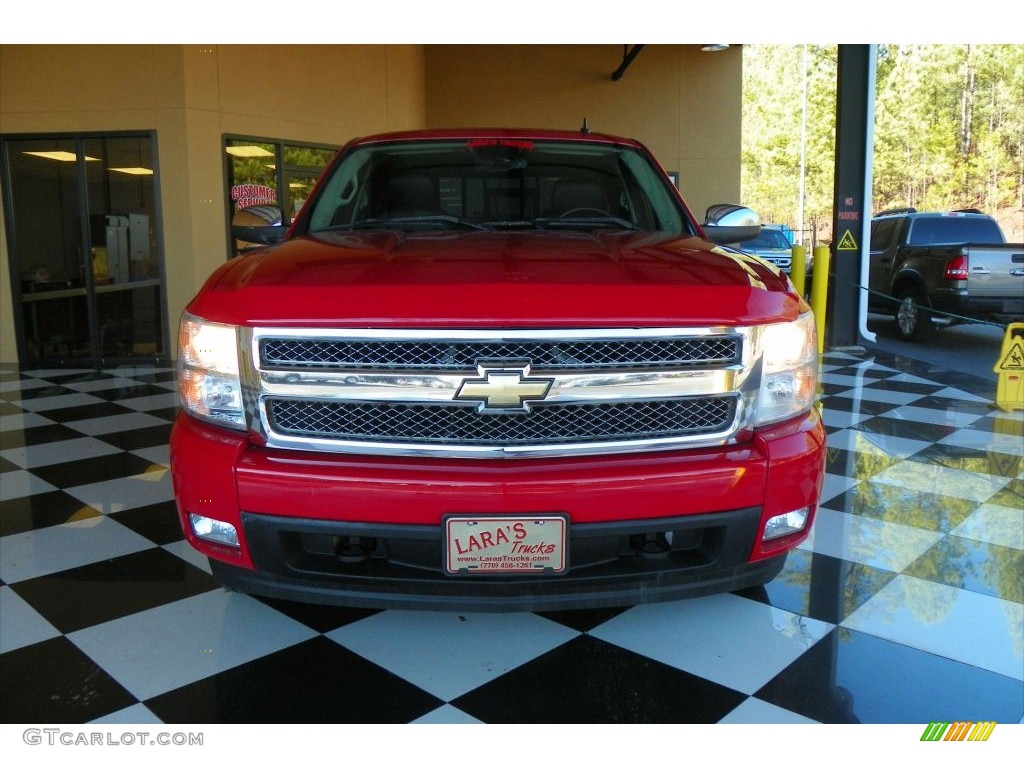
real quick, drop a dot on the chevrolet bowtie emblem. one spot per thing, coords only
(504, 389)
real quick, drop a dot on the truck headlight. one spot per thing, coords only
(208, 371)
(789, 376)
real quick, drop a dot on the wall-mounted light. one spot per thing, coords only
(713, 47)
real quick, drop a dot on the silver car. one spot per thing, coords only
(772, 246)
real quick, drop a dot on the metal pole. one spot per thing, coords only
(803, 153)
(851, 207)
(869, 177)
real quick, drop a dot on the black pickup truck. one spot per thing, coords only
(954, 266)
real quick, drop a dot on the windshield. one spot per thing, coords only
(769, 238)
(954, 229)
(496, 184)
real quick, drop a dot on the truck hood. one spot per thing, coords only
(495, 279)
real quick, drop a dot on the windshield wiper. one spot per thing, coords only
(399, 222)
(589, 222)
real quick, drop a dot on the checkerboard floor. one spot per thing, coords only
(905, 606)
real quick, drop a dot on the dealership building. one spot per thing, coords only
(124, 165)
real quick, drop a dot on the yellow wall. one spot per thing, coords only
(684, 104)
(191, 95)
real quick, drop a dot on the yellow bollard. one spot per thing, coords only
(1010, 367)
(819, 291)
(798, 268)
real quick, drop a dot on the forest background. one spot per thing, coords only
(949, 132)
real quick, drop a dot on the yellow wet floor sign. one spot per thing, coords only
(1010, 367)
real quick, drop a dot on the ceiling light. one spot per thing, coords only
(248, 150)
(64, 157)
(712, 47)
(134, 171)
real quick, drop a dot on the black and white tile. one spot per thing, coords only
(904, 606)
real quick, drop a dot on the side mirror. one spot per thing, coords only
(724, 223)
(262, 224)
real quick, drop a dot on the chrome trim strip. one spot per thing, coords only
(489, 334)
(442, 388)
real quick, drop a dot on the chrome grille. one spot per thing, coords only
(545, 424)
(395, 391)
(463, 355)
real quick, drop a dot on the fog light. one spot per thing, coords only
(784, 525)
(218, 531)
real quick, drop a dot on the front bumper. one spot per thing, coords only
(641, 527)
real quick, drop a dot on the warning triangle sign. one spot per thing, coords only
(1013, 360)
(847, 243)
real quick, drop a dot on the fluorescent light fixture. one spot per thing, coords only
(134, 171)
(64, 157)
(248, 150)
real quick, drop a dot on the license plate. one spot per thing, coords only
(486, 544)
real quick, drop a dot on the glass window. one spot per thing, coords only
(954, 229)
(264, 176)
(302, 167)
(769, 238)
(882, 233)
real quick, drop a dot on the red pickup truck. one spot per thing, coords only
(497, 370)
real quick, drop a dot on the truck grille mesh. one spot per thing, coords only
(463, 355)
(447, 424)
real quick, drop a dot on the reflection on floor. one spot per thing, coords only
(904, 607)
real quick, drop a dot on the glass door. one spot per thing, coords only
(85, 248)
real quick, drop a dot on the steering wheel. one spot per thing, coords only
(583, 209)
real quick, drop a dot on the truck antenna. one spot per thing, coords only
(585, 128)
